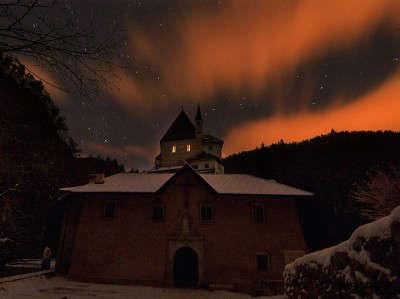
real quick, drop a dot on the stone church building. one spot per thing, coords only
(184, 223)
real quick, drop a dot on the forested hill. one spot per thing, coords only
(328, 165)
(37, 157)
(35, 145)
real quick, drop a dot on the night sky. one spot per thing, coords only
(261, 70)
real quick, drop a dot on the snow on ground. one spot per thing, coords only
(30, 263)
(62, 288)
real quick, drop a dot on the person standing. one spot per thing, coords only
(46, 258)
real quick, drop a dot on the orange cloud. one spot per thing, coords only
(51, 84)
(244, 44)
(378, 110)
(134, 94)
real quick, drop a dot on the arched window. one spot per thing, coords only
(173, 150)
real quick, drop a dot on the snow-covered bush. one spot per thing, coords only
(365, 266)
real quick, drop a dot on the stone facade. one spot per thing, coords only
(131, 247)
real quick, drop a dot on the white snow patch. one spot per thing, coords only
(221, 183)
(59, 287)
(378, 229)
(4, 240)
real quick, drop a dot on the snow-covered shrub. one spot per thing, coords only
(365, 266)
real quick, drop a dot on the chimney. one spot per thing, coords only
(96, 178)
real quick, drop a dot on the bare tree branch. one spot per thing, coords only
(378, 194)
(51, 34)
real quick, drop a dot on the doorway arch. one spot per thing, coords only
(186, 267)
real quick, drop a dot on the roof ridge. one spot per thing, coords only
(233, 183)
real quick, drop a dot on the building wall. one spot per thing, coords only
(127, 247)
(213, 148)
(131, 247)
(213, 166)
(168, 158)
(68, 234)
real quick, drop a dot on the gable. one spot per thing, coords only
(181, 128)
(186, 175)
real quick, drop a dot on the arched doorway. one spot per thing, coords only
(186, 267)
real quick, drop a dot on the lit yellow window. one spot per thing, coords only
(173, 149)
(188, 147)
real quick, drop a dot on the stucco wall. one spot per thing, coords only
(131, 247)
(213, 148)
(168, 158)
(213, 166)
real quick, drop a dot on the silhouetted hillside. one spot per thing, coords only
(327, 165)
(89, 165)
(37, 158)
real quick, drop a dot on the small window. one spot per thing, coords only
(206, 165)
(158, 213)
(195, 166)
(109, 209)
(173, 150)
(258, 213)
(210, 147)
(188, 147)
(263, 262)
(206, 213)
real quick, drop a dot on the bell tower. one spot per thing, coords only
(187, 142)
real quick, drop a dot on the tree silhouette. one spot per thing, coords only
(37, 154)
(50, 33)
(328, 165)
(377, 194)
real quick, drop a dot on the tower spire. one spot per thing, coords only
(199, 122)
(198, 114)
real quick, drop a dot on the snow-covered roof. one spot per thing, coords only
(221, 183)
(165, 169)
(248, 184)
(126, 183)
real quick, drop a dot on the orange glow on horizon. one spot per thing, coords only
(378, 110)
